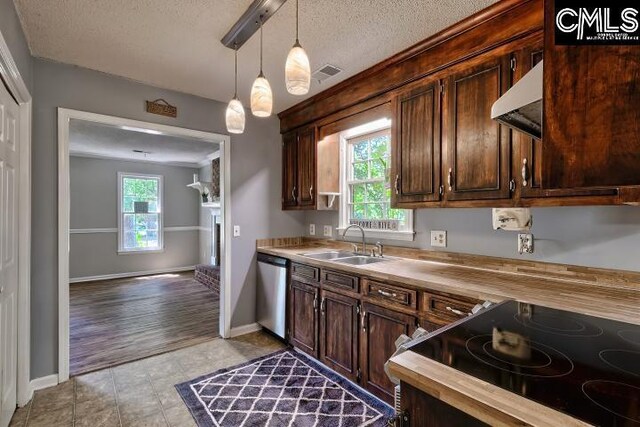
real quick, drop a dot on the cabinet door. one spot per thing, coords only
(591, 119)
(416, 145)
(306, 168)
(529, 176)
(303, 317)
(339, 333)
(289, 170)
(380, 328)
(478, 148)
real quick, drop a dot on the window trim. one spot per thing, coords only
(407, 234)
(160, 248)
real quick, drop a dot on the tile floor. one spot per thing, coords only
(140, 393)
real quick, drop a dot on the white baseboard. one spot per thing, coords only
(243, 330)
(131, 274)
(43, 382)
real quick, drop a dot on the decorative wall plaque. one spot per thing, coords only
(162, 107)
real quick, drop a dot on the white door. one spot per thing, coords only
(9, 129)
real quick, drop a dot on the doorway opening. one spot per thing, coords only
(143, 211)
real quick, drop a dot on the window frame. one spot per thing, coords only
(160, 248)
(405, 233)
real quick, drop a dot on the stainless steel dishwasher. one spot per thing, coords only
(271, 293)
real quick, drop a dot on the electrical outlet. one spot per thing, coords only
(312, 229)
(525, 243)
(328, 231)
(236, 231)
(439, 238)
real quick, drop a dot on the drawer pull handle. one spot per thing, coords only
(454, 311)
(387, 294)
(322, 306)
(364, 321)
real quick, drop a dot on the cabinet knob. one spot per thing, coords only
(525, 172)
(450, 179)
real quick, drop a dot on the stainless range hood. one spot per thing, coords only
(521, 107)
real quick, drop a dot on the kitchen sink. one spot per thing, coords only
(359, 260)
(329, 255)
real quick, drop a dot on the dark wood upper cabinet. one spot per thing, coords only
(306, 167)
(591, 117)
(477, 166)
(299, 169)
(380, 328)
(339, 333)
(416, 144)
(303, 317)
(289, 169)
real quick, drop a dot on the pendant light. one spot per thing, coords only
(261, 96)
(297, 71)
(235, 111)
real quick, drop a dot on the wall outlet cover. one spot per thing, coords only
(312, 229)
(328, 231)
(525, 243)
(439, 238)
(236, 231)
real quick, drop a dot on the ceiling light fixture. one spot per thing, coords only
(141, 130)
(297, 71)
(235, 111)
(261, 95)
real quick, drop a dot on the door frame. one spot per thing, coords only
(64, 117)
(18, 89)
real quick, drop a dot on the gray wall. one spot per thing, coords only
(606, 237)
(94, 204)
(255, 184)
(12, 32)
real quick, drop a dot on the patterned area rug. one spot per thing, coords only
(280, 389)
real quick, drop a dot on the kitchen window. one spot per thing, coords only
(367, 161)
(140, 213)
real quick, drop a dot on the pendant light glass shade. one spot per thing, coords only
(234, 116)
(297, 71)
(261, 95)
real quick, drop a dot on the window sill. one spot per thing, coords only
(140, 251)
(405, 236)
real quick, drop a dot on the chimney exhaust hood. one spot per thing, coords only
(521, 106)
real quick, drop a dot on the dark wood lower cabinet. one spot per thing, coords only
(303, 317)
(424, 410)
(339, 333)
(380, 328)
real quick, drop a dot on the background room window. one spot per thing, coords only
(140, 212)
(368, 188)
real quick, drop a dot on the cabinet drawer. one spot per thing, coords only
(305, 273)
(390, 294)
(340, 280)
(447, 307)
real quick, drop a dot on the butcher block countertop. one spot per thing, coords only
(611, 294)
(541, 284)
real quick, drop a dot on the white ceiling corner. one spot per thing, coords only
(175, 44)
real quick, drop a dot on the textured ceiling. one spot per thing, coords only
(98, 140)
(175, 44)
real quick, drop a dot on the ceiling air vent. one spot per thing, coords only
(324, 72)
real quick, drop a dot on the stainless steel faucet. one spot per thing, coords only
(364, 243)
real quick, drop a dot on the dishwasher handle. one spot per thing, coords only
(273, 260)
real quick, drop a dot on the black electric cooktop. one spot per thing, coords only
(584, 366)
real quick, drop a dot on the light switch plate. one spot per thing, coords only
(439, 238)
(236, 231)
(312, 229)
(328, 231)
(525, 243)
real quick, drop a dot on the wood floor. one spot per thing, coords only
(117, 321)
